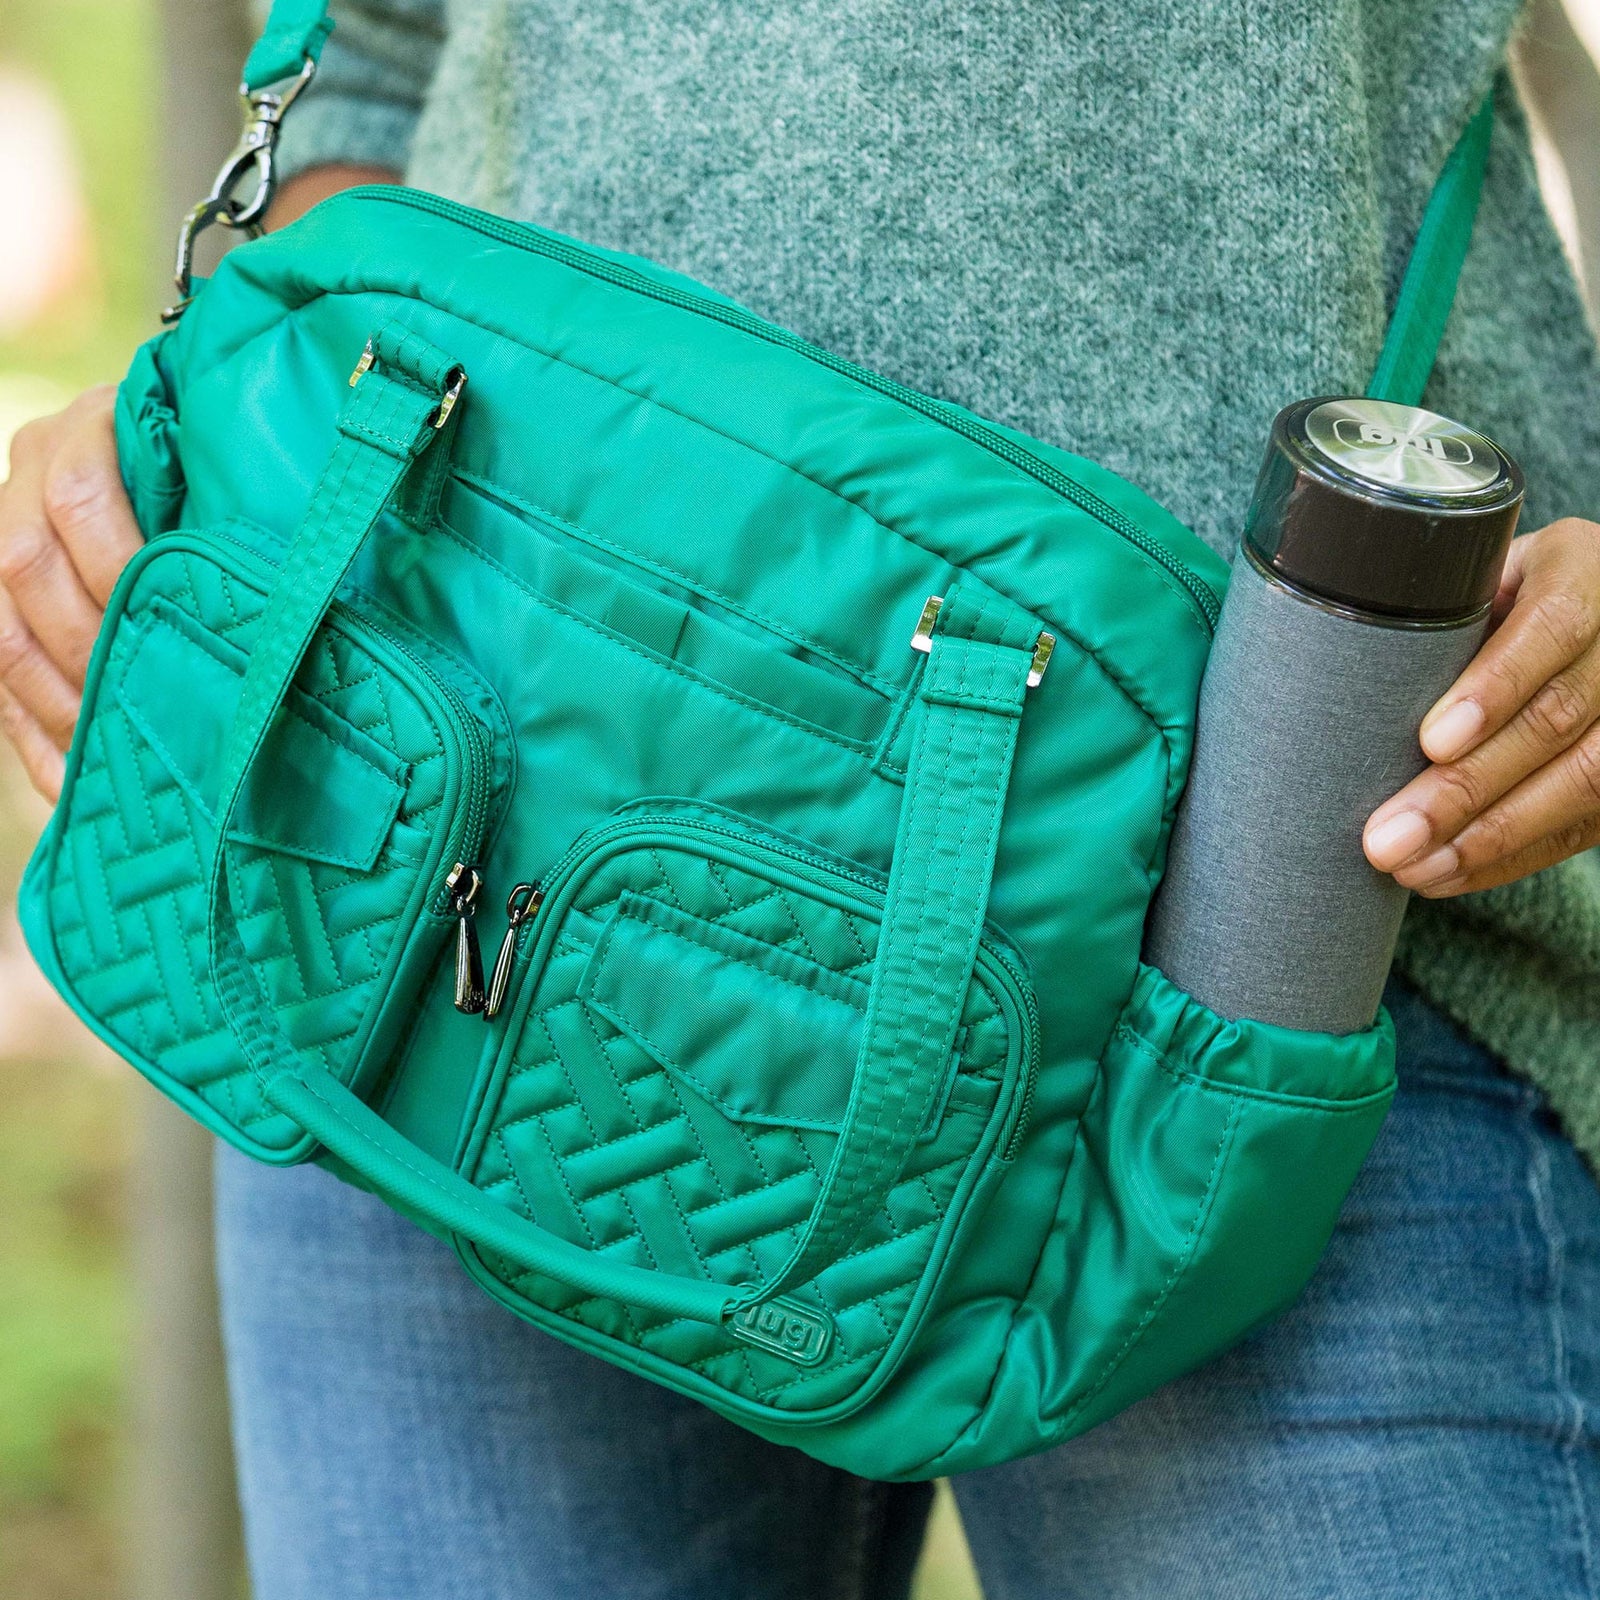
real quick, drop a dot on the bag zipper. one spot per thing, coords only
(570, 253)
(526, 900)
(463, 883)
(522, 906)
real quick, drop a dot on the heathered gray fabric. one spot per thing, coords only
(1135, 228)
(1308, 720)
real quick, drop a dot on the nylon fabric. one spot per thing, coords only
(924, 972)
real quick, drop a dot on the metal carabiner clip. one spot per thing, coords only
(255, 153)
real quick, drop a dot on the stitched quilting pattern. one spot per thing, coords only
(128, 896)
(595, 1140)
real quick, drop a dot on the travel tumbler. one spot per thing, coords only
(1362, 587)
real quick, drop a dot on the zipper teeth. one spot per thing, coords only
(1030, 1066)
(937, 411)
(551, 882)
(469, 829)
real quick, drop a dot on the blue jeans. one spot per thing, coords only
(1419, 1426)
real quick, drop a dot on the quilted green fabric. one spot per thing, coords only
(623, 1151)
(128, 898)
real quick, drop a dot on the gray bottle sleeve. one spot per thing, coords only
(1308, 720)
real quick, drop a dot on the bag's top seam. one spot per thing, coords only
(1059, 628)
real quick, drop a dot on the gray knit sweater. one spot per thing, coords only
(1130, 227)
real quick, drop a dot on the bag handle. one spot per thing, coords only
(983, 652)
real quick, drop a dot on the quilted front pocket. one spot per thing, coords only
(376, 777)
(680, 1051)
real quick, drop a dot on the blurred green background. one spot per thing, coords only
(76, 287)
(88, 1394)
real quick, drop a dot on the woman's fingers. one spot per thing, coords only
(39, 577)
(66, 531)
(1554, 617)
(41, 760)
(85, 500)
(33, 679)
(1434, 807)
(1523, 708)
(1545, 819)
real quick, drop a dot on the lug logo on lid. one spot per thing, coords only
(1375, 436)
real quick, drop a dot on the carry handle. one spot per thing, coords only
(404, 394)
(347, 1126)
(983, 654)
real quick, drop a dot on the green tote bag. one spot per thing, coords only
(674, 813)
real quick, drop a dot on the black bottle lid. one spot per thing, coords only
(1384, 508)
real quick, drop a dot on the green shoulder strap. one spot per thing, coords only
(294, 34)
(1428, 289)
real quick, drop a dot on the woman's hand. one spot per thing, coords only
(66, 532)
(1515, 743)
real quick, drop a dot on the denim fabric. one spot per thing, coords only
(1417, 1427)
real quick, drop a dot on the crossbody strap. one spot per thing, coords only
(1428, 289)
(294, 34)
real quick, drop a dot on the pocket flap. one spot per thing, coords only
(333, 795)
(764, 1034)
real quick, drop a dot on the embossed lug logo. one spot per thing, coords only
(786, 1328)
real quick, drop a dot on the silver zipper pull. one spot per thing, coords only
(464, 885)
(521, 904)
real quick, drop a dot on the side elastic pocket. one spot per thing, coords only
(1220, 1154)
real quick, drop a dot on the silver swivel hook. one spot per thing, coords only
(254, 155)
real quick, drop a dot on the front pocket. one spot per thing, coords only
(677, 1059)
(375, 778)
(662, 617)
(761, 1031)
(335, 792)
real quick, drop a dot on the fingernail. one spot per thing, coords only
(1396, 839)
(1431, 869)
(1445, 737)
